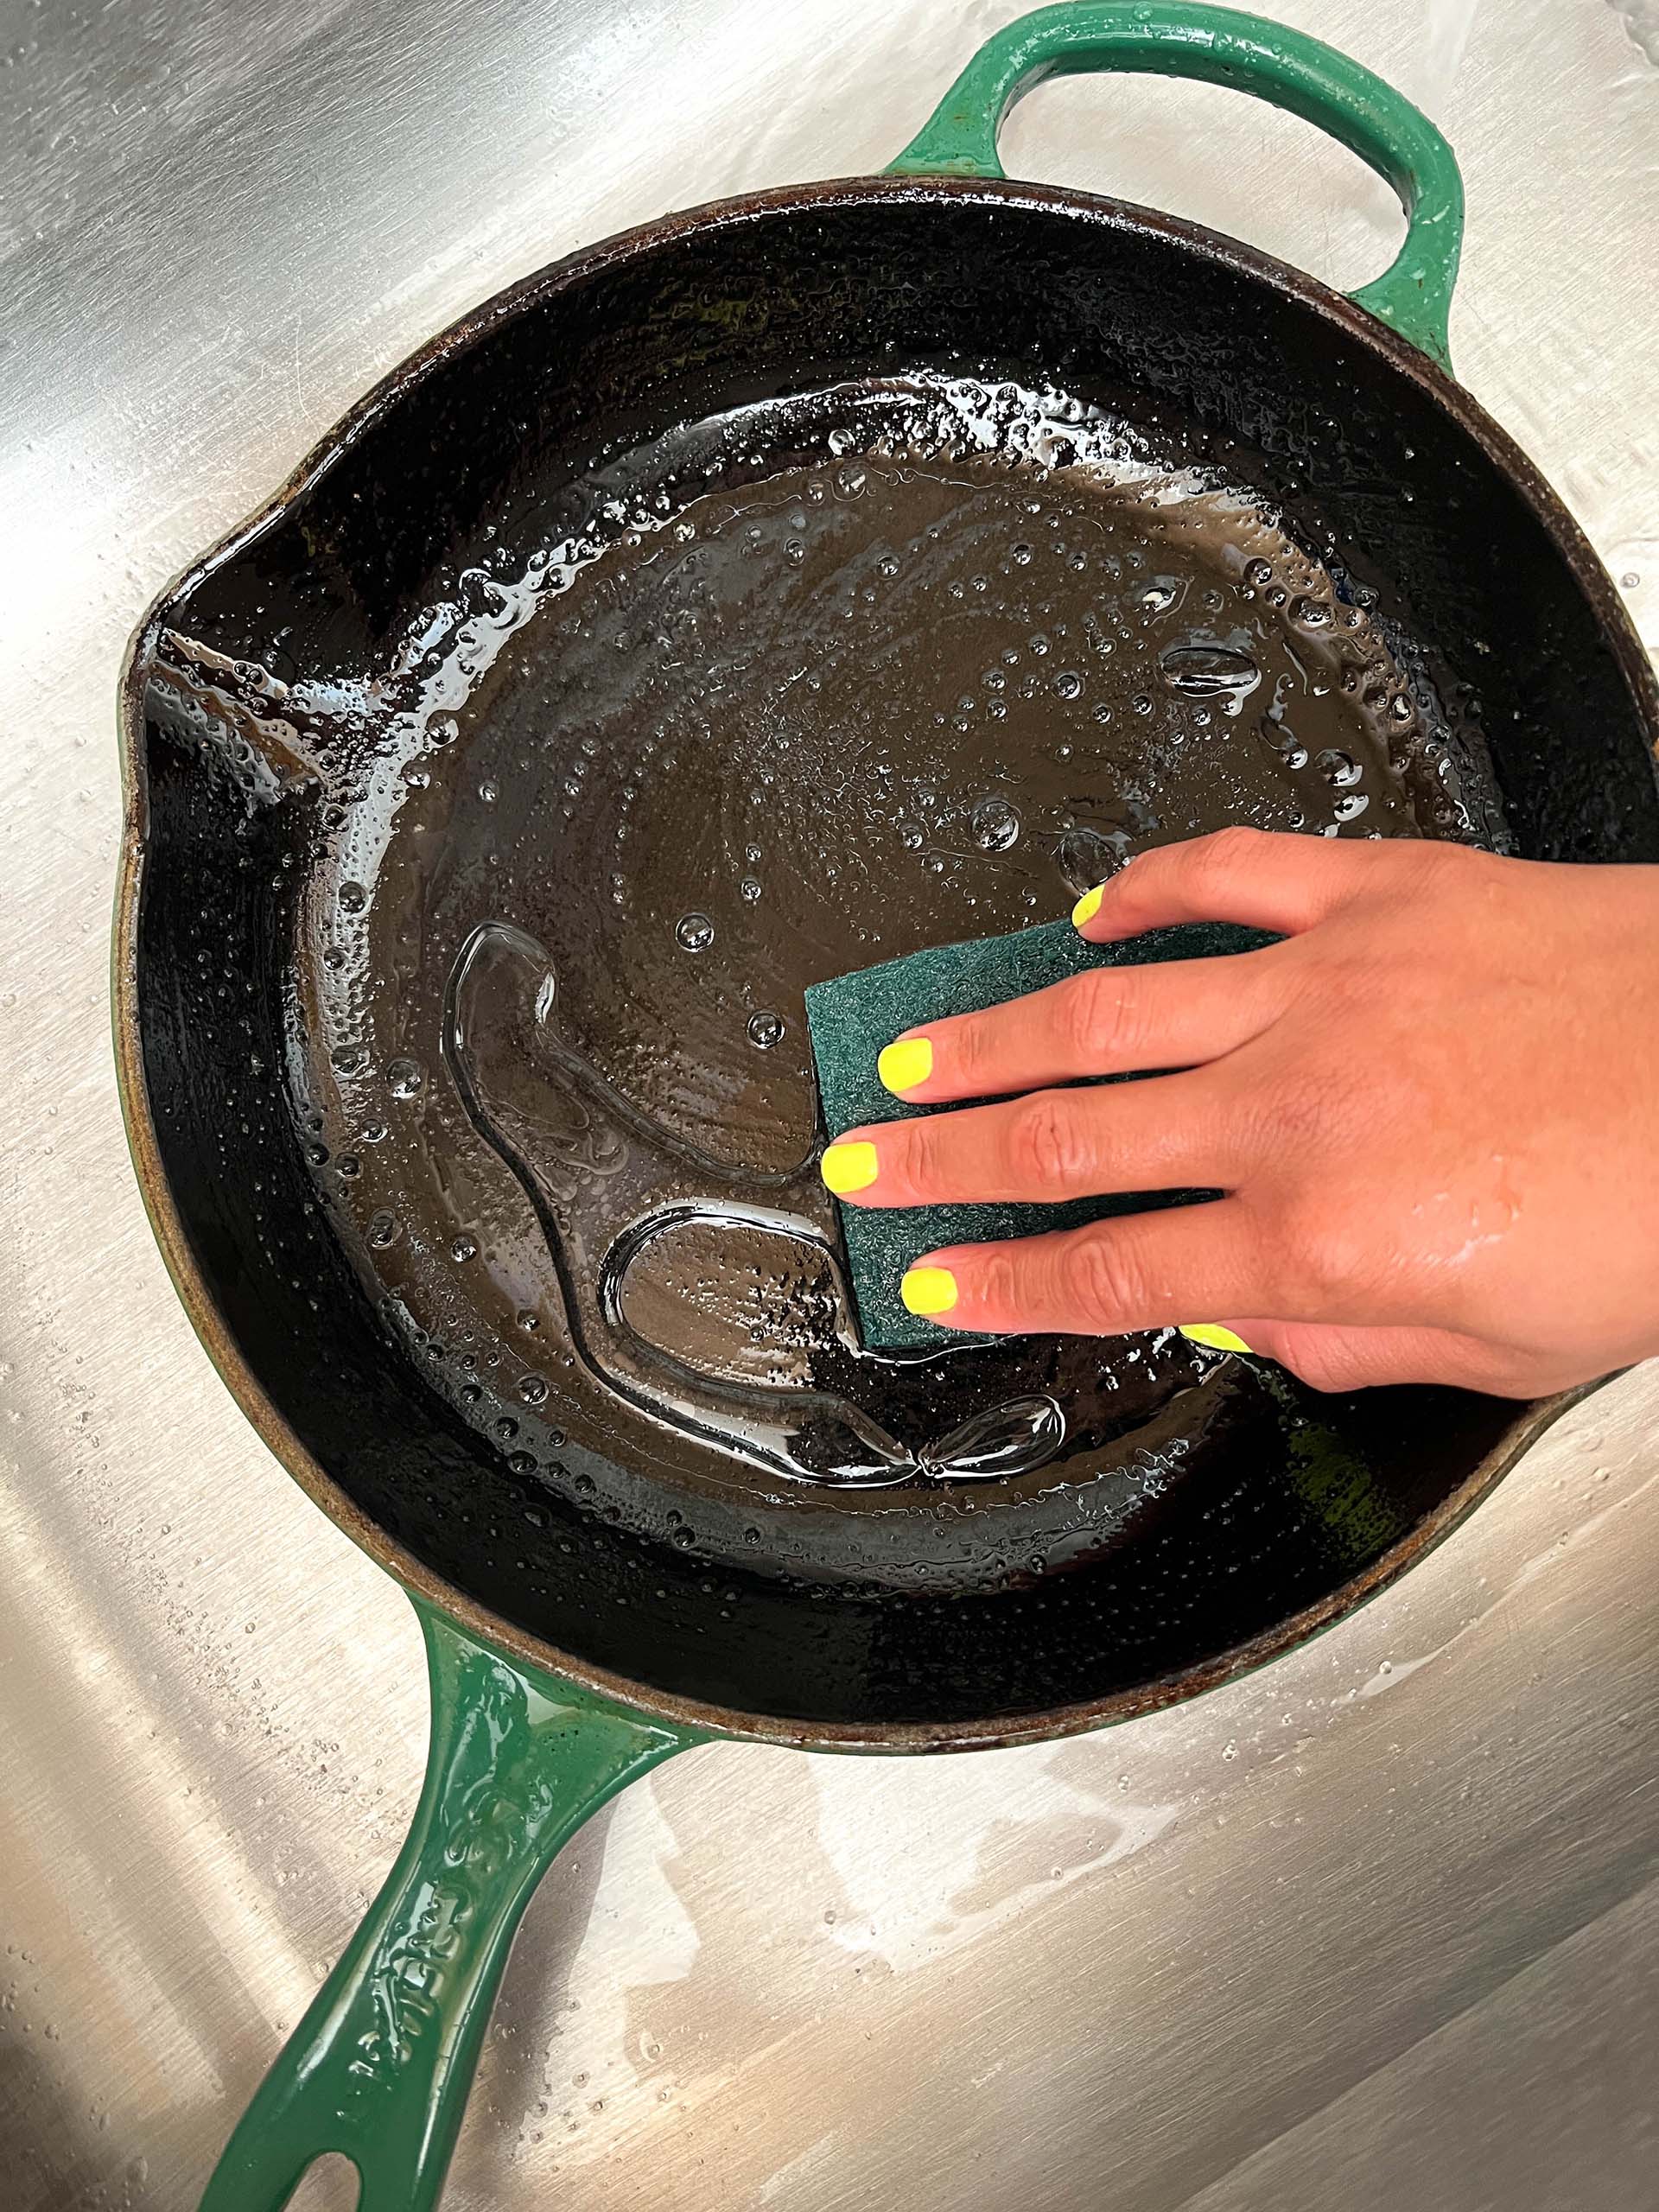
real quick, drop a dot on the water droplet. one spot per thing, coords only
(1338, 768)
(349, 1059)
(696, 933)
(463, 1249)
(1203, 670)
(1312, 613)
(443, 729)
(910, 836)
(533, 1390)
(750, 889)
(383, 1230)
(850, 480)
(352, 897)
(486, 793)
(348, 1164)
(1067, 683)
(1021, 554)
(1258, 573)
(994, 824)
(766, 1030)
(794, 552)
(404, 1077)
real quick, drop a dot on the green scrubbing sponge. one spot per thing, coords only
(853, 1017)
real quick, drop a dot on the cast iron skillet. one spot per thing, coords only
(557, 1679)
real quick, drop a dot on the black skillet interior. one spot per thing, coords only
(1221, 361)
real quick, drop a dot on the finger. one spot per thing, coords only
(1332, 1357)
(1139, 1271)
(1171, 1014)
(1266, 880)
(1162, 1135)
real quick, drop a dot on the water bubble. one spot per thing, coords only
(995, 825)
(533, 1390)
(352, 897)
(794, 551)
(695, 932)
(349, 1059)
(463, 1249)
(443, 729)
(404, 1077)
(910, 836)
(887, 566)
(529, 1321)
(1021, 555)
(1088, 857)
(1039, 645)
(850, 480)
(1202, 670)
(1312, 613)
(1258, 573)
(766, 1030)
(750, 889)
(486, 793)
(383, 1230)
(1067, 685)
(317, 1154)
(348, 1164)
(373, 1133)
(1338, 768)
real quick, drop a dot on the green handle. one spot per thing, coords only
(1182, 38)
(380, 2066)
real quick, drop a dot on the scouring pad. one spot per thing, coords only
(851, 1017)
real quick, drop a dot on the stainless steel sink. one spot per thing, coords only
(1377, 1929)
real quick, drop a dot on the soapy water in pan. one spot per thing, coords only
(779, 698)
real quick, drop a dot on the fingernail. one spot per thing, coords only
(928, 1290)
(847, 1167)
(1214, 1338)
(902, 1066)
(1086, 908)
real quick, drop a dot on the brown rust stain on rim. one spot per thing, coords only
(188, 1280)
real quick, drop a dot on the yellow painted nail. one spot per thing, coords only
(847, 1167)
(904, 1063)
(1086, 908)
(1214, 1338)
(927, 1291)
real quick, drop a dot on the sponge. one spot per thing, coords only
(850, 1019)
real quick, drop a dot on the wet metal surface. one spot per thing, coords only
(1377, 1927)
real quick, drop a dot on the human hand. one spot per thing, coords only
(1432, 1113)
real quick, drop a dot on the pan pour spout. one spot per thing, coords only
(767, 1335)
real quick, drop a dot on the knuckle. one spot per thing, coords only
(1322, 1360)
(1101, 1016)
(1000, 1282)
(1325, 1252)
(921, 1162)
(969, 1052)
(1216, 862)
(1101, 1281)
(1048, 1146)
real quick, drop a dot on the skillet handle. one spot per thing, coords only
(1183, 38)
(381, 2064)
